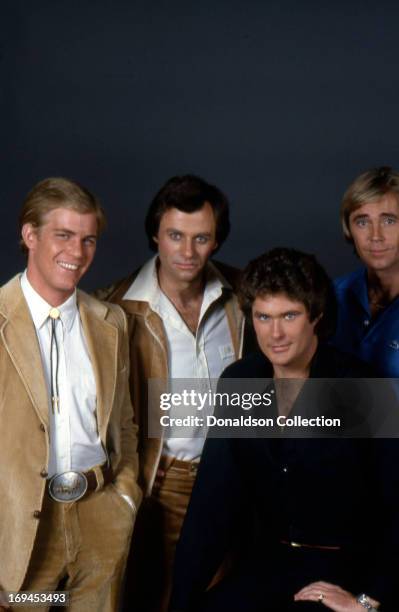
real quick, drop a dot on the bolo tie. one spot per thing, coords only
(54, 315)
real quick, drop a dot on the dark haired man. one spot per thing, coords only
(368, 302)
(184, 323)
(68, 460)
(316, 540)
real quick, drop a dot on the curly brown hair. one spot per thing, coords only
(297, 275)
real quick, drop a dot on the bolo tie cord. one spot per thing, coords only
(54, 379)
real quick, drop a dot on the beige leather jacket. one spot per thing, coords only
(149, 359)
(24, 420)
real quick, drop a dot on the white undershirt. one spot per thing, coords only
(74, 440)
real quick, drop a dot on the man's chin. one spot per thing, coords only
(68, 278)
(278, 359)
(68, 287)
(188, 273)
(379, 265)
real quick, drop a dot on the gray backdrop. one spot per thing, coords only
(281, 104)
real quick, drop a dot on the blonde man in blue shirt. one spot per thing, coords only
(368, 313)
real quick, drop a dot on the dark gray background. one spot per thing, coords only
(281, 104)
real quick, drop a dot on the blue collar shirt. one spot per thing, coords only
(375, 340)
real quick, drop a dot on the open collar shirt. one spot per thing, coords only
(373, 339)
(200, 357)
(74, 439)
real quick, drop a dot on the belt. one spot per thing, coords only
(74, 485)
(167, 462)
(93, 482)
(314, 546)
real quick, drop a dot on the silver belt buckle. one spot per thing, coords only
(68, 486)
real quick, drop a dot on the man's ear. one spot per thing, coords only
(155, 239)
(215, 246)
(29, 235)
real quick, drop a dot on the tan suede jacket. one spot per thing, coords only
(24, 419)
(149, 359)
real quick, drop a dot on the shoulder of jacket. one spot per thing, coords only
(253, 365)
(10, 295)
(340, 364)
(112, 313)
(230, 273)
(344, 282)
(115, 292)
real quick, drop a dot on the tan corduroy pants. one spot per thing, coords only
(161, 516)
(85, 545)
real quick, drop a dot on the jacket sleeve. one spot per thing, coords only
(215, 506)
(127, 470)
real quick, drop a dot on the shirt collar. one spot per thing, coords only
(145, 287)
(40, 309)
(215, 283)
(359, 288)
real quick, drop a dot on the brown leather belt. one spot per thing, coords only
(97, 478)
(92, 482)
(167, 462)
(314, 546)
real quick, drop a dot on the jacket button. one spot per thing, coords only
(43, 474)
(36, 514)
(42, 427)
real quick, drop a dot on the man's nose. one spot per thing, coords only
(76, 248)
(188, 248)
(277, 328)
(376, 233)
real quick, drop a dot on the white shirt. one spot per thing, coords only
(201, 358)
(74, 440)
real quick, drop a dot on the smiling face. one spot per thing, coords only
(185, 243)
(374, 228)
(60, 252)
(285, 334)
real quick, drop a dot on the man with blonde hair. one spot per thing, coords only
(368, 313)
(68, 461)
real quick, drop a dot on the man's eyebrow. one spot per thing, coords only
(360, 216)
(178, 231)
(291, 311)
(64, 229)
(383, 215)
(280, 314)
(70, 232)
